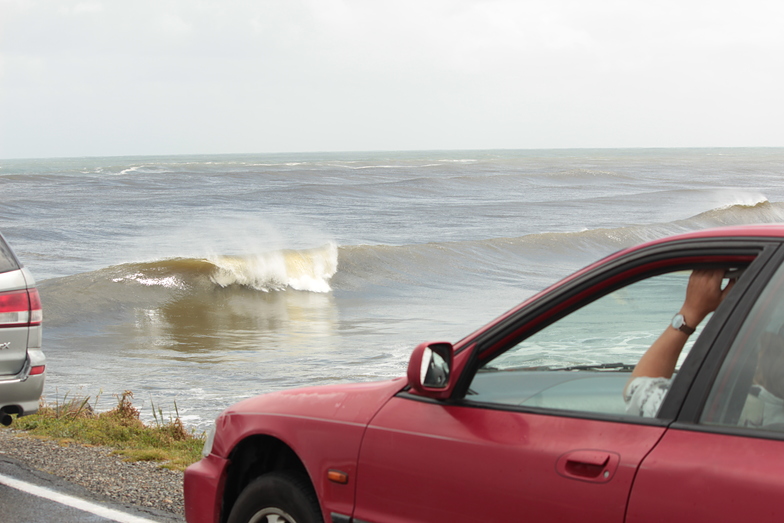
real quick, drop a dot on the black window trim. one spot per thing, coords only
(726, 430)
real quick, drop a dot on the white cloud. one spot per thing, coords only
(172, 25)
(88, 7)
(168, 76)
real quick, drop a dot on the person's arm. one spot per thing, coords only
(703, 296)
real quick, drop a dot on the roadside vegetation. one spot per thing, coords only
(75, 421)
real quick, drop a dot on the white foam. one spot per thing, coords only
(304, 270)
(741, 198)
(145, 169)
(170, 282)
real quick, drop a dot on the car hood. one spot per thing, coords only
(278, 413)
(353, 403)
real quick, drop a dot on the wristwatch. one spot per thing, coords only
(679, 323)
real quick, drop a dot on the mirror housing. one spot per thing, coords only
(430, 369)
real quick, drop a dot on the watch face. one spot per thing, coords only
(679, 323)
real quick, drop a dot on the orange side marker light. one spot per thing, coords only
(337, 476)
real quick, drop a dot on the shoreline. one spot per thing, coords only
(142, 484)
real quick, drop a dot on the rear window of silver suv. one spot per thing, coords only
(7, 259)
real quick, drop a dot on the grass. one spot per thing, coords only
(75, 421)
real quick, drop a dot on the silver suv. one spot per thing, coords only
(22, 363)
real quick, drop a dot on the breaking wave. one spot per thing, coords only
(301, 270)
(113, 291)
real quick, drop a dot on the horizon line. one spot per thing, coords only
(387, 151)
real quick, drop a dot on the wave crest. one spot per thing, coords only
(303, 270)
(761, 211)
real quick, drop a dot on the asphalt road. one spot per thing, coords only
(28, 495)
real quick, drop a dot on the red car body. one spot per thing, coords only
(409, 450)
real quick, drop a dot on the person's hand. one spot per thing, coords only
(704, 294)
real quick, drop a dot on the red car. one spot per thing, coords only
(526, 419)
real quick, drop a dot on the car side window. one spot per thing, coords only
(583, 361)
(749, 388)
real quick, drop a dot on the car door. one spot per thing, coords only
(722, 460)
(429, 462)
(540, 432)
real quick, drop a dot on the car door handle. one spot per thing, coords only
(596, 466)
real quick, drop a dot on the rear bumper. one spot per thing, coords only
(21, 393)
(203, 488)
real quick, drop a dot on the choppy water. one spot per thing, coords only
(207, 279)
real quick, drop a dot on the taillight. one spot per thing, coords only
(36, 311)
(20, 308)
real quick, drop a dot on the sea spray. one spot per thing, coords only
(302, 270)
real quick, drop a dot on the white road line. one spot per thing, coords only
(98, 510)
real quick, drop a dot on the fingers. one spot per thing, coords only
(704, 293)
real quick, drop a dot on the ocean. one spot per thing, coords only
(197, 281)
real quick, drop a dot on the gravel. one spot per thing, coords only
(142, 484)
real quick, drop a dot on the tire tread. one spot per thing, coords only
(292, 487)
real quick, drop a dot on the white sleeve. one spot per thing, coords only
(644, 395)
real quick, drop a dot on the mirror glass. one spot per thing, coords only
(435, 370)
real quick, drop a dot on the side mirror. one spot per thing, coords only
(429, 369)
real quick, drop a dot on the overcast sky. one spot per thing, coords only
(95, 78)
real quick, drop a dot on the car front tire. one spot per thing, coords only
(277, 497)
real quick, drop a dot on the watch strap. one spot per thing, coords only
(679, 323)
